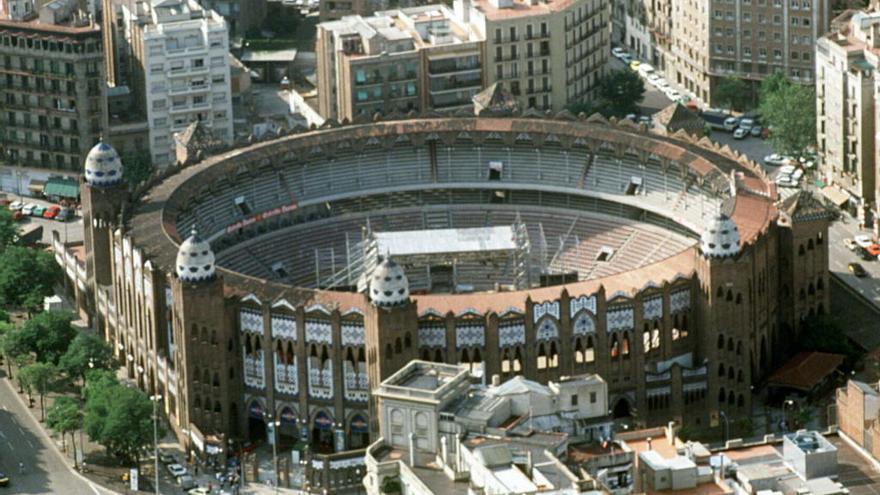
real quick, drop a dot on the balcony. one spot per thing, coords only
(190, 89)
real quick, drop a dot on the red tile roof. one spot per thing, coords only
(806, 370)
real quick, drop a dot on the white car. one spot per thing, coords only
(16, 205)
(863, 241)
(661, 83)
(775, 158)
(28, 209)
(797, 174)
(746, 124)
(850, 244)
(645, 69)
(176, 470)
(786, 170)
(652, 78)
(731, 123)
(672, 94)
(786, 182)
(740, 133)
(618, 52)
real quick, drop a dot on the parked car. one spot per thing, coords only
(776, 159)
(176, 470)
(186, 482)
(16, 205)
(645, 69)
(64, 214)
(28, 209)
(864, 254)
(634, 65)
(52, 212)
(857, 270)
(756, 131)
(873, 250)
(4, 480)
(632, 117)
(626, 58)
(652, 78)
(850, 244)
(661, 83)
(746, 124)
(797, 174)
(201, 490)
(740, 133)
(167, 458)
(38, 211)
(644, 119)
(618, 51)
(731, 123)
(786, 182)
(863, 241)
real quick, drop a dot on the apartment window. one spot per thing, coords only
(160, 122)
(199, 62)
(543, 29)
(157, 68)
(574, 400)
(512, 33)
(498, 53)
(529, 32)
(158, 104)
(498, 35)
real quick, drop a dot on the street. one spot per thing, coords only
(22, 440)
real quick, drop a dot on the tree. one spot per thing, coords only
(15, 343)
(65, 416)
(41, 377)
(138, 167)
(22, 360)
(118, 417)
(8, 229)
(5, 329)
(791, 111)
(85, 352)
(26, 277)
(619, 95)
(826, 333)
(50, 334)
(732, 93)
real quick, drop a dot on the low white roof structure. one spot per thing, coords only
(446, 241)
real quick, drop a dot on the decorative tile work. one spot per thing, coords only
(584, 325)
(547, 330)
(470, 335)
(680, 300)
(432, 335)
(254, 370)
(583, 303)
(511, 333)
(250, 321)
(653, 392)
(283, 326)
(545, 308)
(347, 463)
(318, 332)
(286, 376)
(652, 307)
(353, 334)
(620, 318)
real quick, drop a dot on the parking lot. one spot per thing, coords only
(71, 230)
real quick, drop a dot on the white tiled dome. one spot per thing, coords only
(388, 284)
(720, 239)
(103, 166)
(195, 259)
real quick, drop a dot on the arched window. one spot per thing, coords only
(231, 373)
(739, 298)
(542, 357)
(216, 381)
(820, 284)
(398, 346)
(407, 340)
(721, 396)
(721, 341)
(578, 351)
(206, 377)
(425, 355)
(217, 408)
(739, 348)
(740, 401)
(625, 347)
(810, 244)
(589, 352)
(730, 373)
(811, 290)
(730, 344)
(646, 340)
(731, 398)
(720, 292)
(801, 250)
(388, 351)
(721, 370)
(655, 338)
(739, 376)
(554, 355)
(819, 239)
(615, 347)
(438, 356)
(729, 295)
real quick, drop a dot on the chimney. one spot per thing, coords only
(649, 442)
(496, 380)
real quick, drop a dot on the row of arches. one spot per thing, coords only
(730, 398)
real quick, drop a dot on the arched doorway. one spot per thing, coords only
(621, 409)
(358, 432)
(322, 433)
(287, 431)
(256, 423)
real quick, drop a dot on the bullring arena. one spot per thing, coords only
(322, 261)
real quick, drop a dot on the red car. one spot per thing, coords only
(52, 211)
(873, 250)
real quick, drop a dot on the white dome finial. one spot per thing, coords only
(388, 284)
(195, 259)
(721, 238)
(103, 166)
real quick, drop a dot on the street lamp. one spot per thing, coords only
(785, 406)
(274, 424)
(726, 425)
(156, 398)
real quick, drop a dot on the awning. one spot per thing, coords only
(835, 195)
(64, 188)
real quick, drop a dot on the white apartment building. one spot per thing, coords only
(846, 96)
(182, 51)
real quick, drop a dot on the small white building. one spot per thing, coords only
(183, 50)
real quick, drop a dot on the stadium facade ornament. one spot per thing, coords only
(103, 166)
(721, 238)
(195, 259)
(388, 284)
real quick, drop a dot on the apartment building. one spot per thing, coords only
(548, 54)
(181, 74)
(698, 43)
(51, 77)
(398, 60)
(846, 66)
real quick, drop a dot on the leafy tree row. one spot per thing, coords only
(619, 94)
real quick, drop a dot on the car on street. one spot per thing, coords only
(52, 212)
(38, 211)
(740, 133)
(626, 58)
(4, 480)
(186, 482)
(797, 174)
(199, 491)
(652, 78)
(634, 65)
(64, 214)
(873, 250)
(776, 159)
(672, 94)
(731, 123)
(850, 244)
(16, 205)
(786, 181)
(618, 51)
(28, 209)
(747, 124)
(632, 117)
(857, 270)
(756, 131)
(661, 83)
(645, 69)
(863, 240)
(176, 470)
(166, 458)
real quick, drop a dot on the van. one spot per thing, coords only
(186, 482)
(731, 123)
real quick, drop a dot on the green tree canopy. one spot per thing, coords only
(825, 334)
(86, 348)
(119, 417)
(41, 377)
(137, 168)
(620, 93)
(65, 417)
(8, 229)
(50, 334)
(27, 276)
(16, 342)
(732, 93)
(791, 111)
